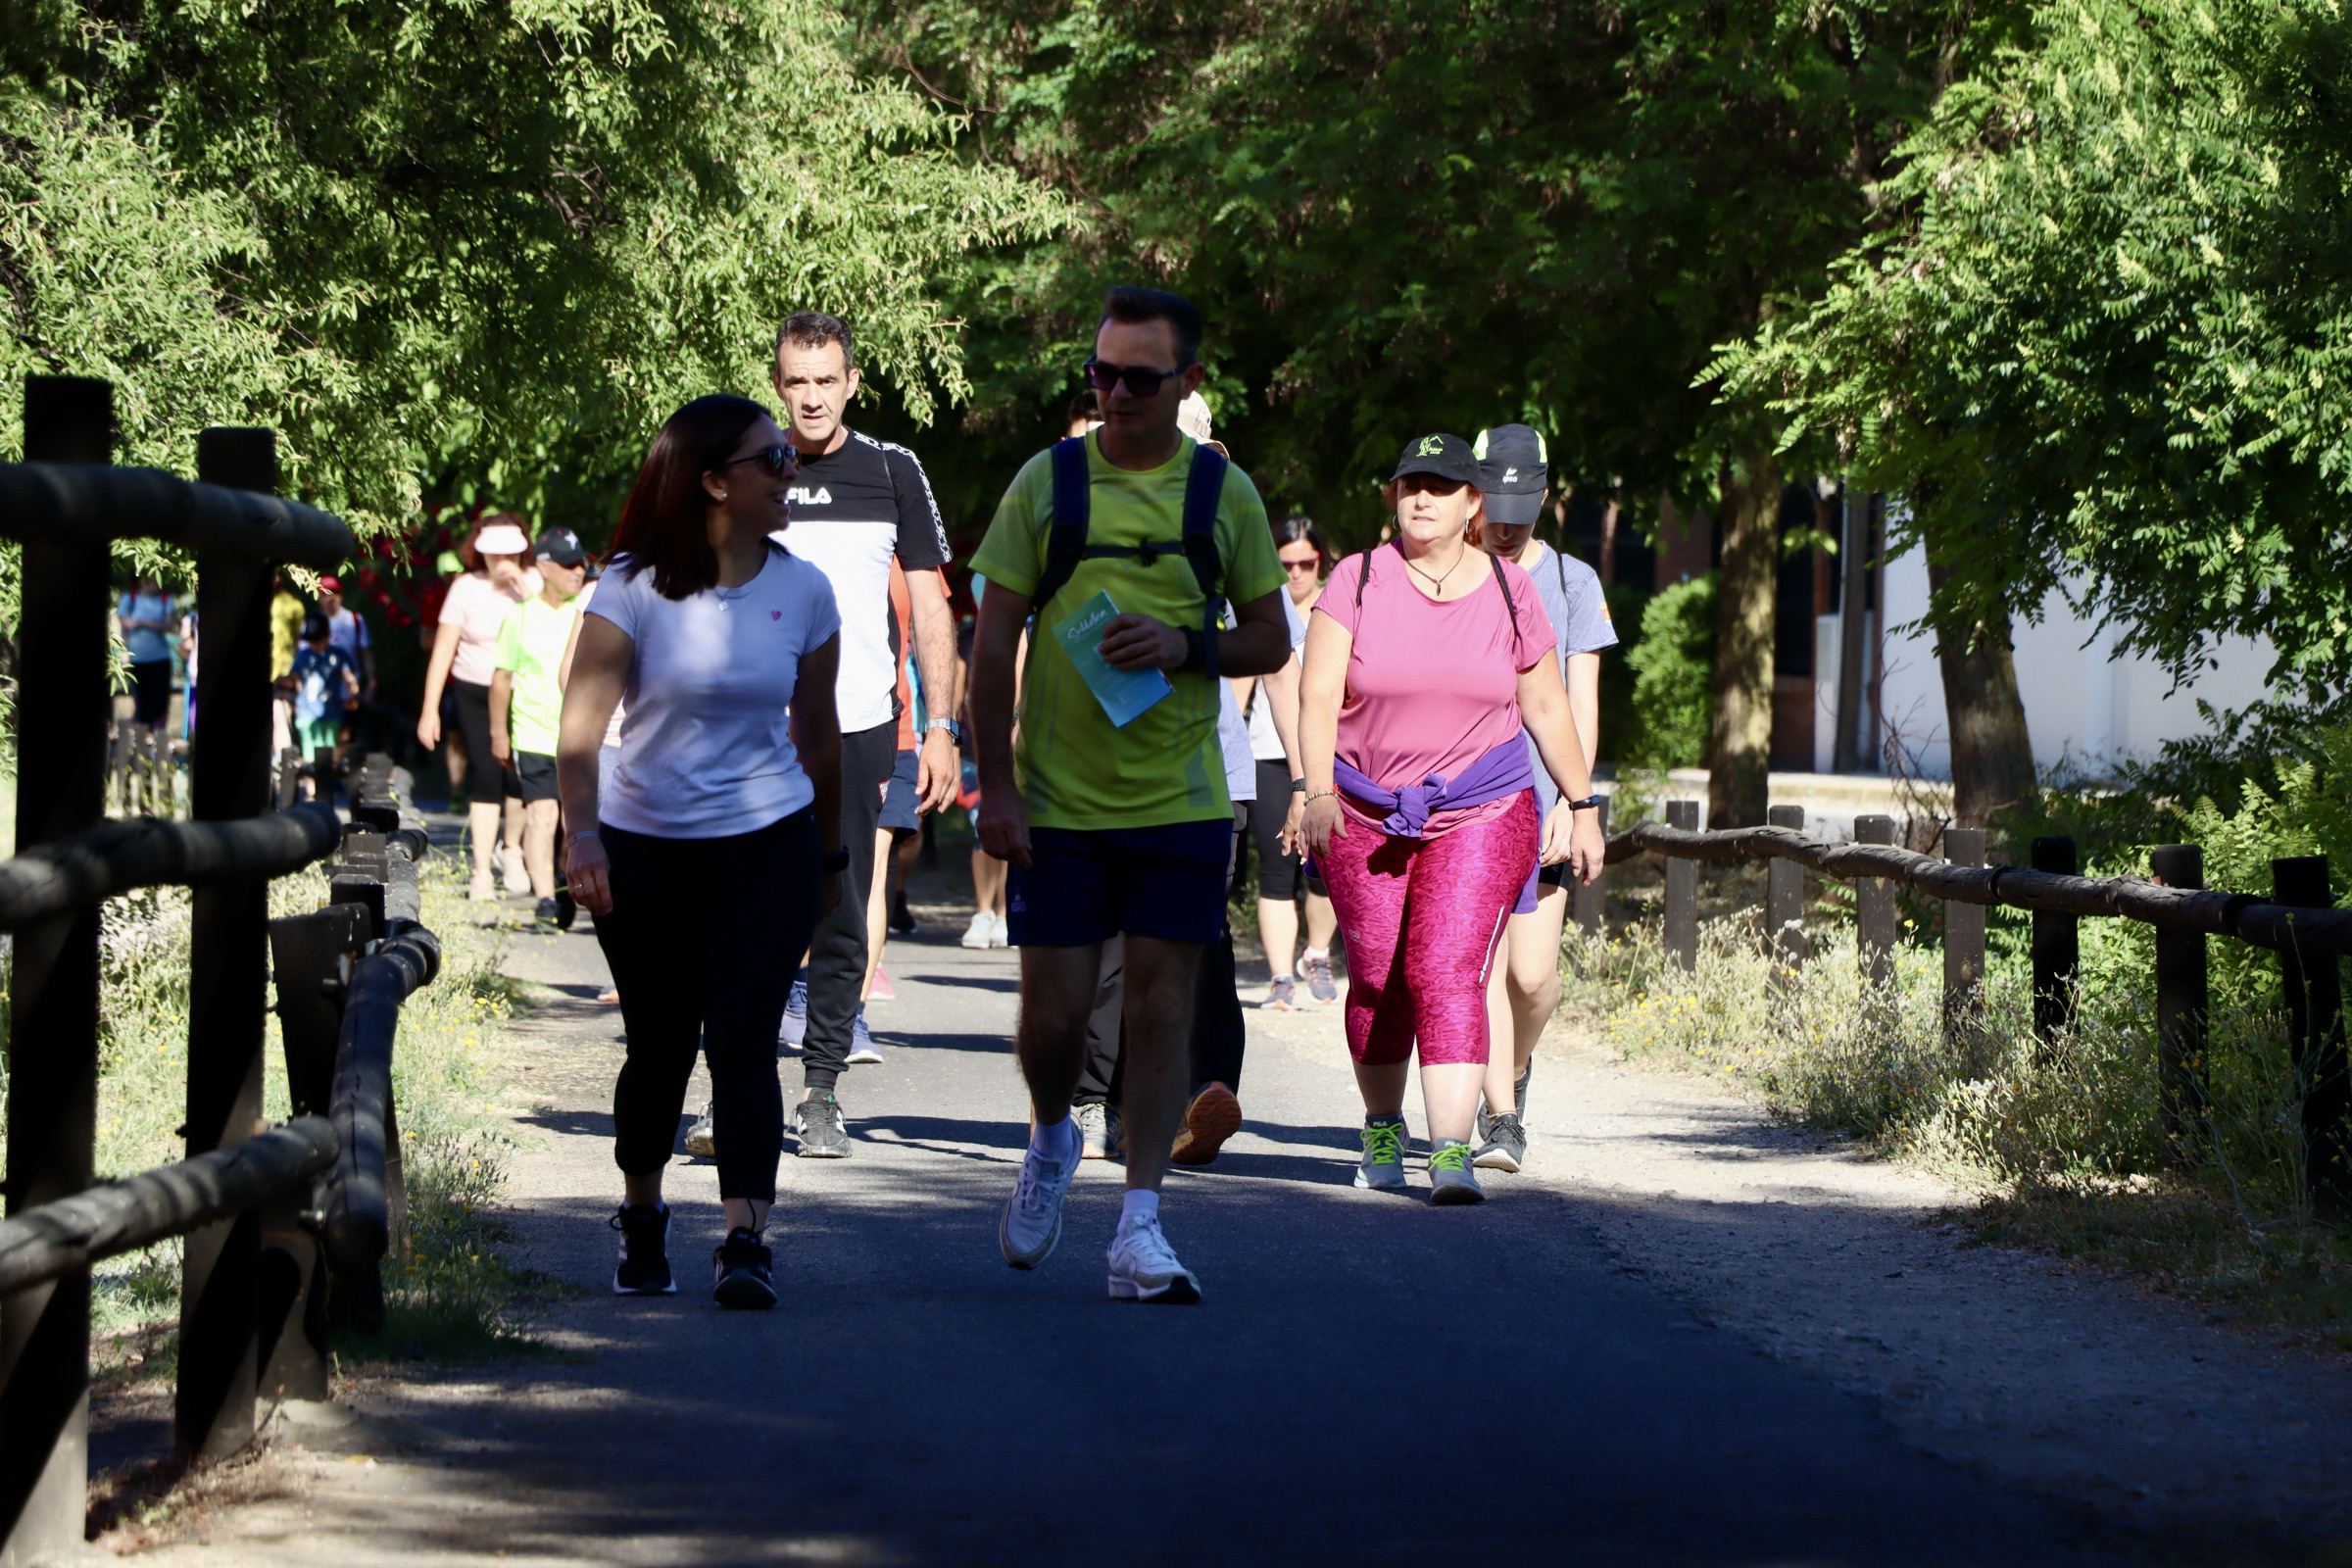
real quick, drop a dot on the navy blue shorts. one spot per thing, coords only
(1082, 887)
(898, 797)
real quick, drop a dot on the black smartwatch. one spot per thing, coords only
(837, 861)
(1591, 802)
(1297, 786)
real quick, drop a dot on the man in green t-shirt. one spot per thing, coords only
(1115, 829)
(526, 704)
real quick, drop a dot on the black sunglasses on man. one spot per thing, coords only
(1141, 380)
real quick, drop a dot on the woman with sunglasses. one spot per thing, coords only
(709, 858)
(1425, 658)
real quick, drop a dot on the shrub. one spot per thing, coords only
(1674, 676)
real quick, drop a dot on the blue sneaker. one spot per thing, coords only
(861, 1045)
(796, 1015)
(1382, 1168)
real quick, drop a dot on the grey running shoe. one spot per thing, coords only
(1279, 992)
(1094, 1130)
(1032, 1221)
(1382, 1168)
(1452, 1180)
(700, 1142)
(1319, 983)
(644, 1266)
(1506, 1146)
(1144, 1267)
(742, 1272)
(823, 1132)
(863, 1052)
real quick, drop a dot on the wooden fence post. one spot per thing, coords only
(1785, 901)
(1591, 903)
(1963, 935)
(1874, 917)
(2315, 1028)
(2180, 1001)
(2057, 946)
(63, 698)
(227, 964)
(1682, 891)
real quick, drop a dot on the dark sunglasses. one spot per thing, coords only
(777, 460)
(1140, 379)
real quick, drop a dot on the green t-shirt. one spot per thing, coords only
(531, 645)
(1078, 769)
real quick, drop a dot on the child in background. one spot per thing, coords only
(325, 687)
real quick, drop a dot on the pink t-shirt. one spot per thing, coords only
(479, 608)
(1431, 687)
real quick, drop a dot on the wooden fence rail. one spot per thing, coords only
(2298, 921)
(248, 1199)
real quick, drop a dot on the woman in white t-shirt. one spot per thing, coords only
(712, 852)
(465, 658)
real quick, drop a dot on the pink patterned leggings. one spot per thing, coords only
(1422, 918)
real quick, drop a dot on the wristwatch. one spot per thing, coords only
(953, 729)
(1591, 802)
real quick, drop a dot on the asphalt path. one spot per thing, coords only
(1369, 1378)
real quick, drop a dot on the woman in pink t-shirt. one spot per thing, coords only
(1425, 658)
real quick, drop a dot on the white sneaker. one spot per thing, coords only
(482, 890)
(700, 1141)
(1144, 1268)
(982, 929)
(999, 935)
(1032, 1221)
(511, 866)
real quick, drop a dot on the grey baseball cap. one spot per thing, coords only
(1513, 472)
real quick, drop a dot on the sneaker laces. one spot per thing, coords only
(1384, 1142)
(1148, 1245)
(1450, 1156)
(1038, 1176)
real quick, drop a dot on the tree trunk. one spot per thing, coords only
(1747, 604)
(1993, 755)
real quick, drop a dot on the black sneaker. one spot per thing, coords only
(1506, 1146)
(567, 907)
(825, 1134)
(901, 918)
(643, 1267)
(547, 916)
(741, 1272)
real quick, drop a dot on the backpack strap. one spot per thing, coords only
(1065, 545)
(1508, 603)
(1203, 488)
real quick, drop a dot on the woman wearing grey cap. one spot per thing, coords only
(1427, 665)
(1524, 988)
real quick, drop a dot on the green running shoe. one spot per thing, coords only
(1452, 1180)
(1382, 1168)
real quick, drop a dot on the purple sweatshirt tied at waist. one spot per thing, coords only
(1502, 771)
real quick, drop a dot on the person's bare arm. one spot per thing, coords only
(937, 773)
(436, 676)
(571, 644)
(502, 695)
(1583, 703)
(1004, 823)
(1257, 645)
(816, 737)
(598, 669)
(1543, 710)
(1322, 687)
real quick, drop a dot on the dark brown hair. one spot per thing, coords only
(665, 526)
(1131, 305)
(813, 330)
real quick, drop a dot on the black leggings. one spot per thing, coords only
(695, 941)
(1277, 872)
(486, 780)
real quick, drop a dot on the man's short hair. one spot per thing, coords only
(1131, 305)
(813, 330)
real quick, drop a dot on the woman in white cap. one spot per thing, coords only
(465, 658)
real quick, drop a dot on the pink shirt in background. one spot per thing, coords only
(478, 608)
(1431, 687)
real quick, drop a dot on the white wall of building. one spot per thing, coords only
(2082, 704)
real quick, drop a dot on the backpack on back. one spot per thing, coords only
(1066, 546)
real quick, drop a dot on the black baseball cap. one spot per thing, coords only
(1513, 472)
(560, 546)
(1445, 456)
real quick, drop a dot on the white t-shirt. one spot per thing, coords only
(479, 607)
(705, 750)
(1236, 738)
